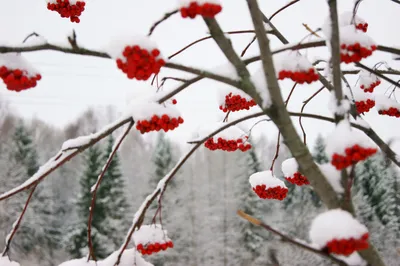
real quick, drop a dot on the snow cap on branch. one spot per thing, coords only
(5, 261)
(258, 79)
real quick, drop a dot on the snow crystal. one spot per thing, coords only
(333, 176)
(230, 133)
(5, 261)
(265, 178)
(290, 167)
(118, 44)
(367, 78)
(291, 61)
(382, 102)
(345, 20)
(335, 224)
(344, 137)
(145, 111)
(150, 234)
(341, 109)
(361, 122)
(222, 92)
(226, 70)
(350, 35)
(353, 260)
(258, 79)
(35, 40)
(17, 61)
(129, 257)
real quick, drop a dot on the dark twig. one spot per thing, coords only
(30, 35)
(97, 185)
(283, 8)
(350, 183)
(72, 40)
(360, 65)
(164, 18)
(301, 111)
(248, 46)
(288, 239)
(18, 222)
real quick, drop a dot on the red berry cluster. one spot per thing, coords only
(364, 106)
(355, 52)
(353, 155)
(236, 103)
(371, 86)
(298, 179)
(17, 80)
(362, 26)
(346, 247)
(154, 248)
(66, 10)
(278, 193)
(207, 10)
(157, 123)
(227, 145)
(140, 63)
(300, 76)
(390, 112)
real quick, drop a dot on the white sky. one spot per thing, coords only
(72, 83)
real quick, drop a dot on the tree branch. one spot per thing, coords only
(288, 239)
(96, 186)
(17, 223)
(164, 18)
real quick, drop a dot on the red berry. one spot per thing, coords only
(67, 10)
(209, 10)
(298, 179)
(346, 247)
(352, 156)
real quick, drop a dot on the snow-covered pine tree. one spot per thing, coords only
(112, 192)
(252, 237)
(77, 245)
(319, 153)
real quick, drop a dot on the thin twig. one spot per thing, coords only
(30, 35)
(118, 143)
(360, 65)
(164, 18)
(288, 239)
(18, 222)
(350, 183)
(302, 109)
(283, 8)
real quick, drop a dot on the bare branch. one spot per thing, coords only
(377, 73)
(288, 239)
(164, 18)
(117, 144)
(18, 222)
(283, 8)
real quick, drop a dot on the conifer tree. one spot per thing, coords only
(112, 189)
(77, 245)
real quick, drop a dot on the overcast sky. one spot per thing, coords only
(71, 83)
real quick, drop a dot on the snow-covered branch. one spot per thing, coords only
(288, 239)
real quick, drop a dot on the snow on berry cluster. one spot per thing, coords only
(71, 9)
(368, 81)
(230, 139)
(296, 67)
(363, 101)
(347, 147)
(355, 45)
(290, 169)
(17, 73)
(138, 57)
(333, 176)
(266, 186)
(337, 232)
(151, 239)
(387, 106)
(205, 8)
(233, 100)
(151, 116)
(348, 18)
